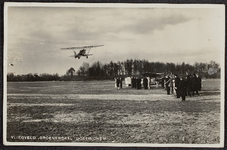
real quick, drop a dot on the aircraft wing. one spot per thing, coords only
(92, 46)
(70, 48)
(89, 54)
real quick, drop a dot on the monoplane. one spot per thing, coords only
(83, 51)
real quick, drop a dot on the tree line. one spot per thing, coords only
(136, 67)
(130, 67)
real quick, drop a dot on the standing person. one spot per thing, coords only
(171, 83)
(162, 82)
(189, 84)
(195, 86)
(165, 80)
(173, 86)
(132, 82)
(167, 84)
(145, 82)
(182, 88)
(177, 80)
(139, 82)
(149, 82)
(120, 83)
(115, 80)
(199, 80)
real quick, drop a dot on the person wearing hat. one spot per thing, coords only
(145, 83)
(182, 88)
(189, 84)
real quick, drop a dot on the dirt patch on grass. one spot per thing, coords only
(74, 117)
(78, 117)
(43, 104)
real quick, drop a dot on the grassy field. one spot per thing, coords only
(96, 112)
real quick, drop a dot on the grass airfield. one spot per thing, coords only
(96, 112)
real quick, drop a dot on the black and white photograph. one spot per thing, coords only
(111, 74)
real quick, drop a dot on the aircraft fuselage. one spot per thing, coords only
(81, 53)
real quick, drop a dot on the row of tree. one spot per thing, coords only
(125, 68)
(138, 67)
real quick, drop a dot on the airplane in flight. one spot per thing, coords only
(82, 52)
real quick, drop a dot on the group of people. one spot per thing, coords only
(137, 84)
(118, 83)
(182, 86)
(179, 86)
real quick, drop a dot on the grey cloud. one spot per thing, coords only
(83, 34)
(149, 25)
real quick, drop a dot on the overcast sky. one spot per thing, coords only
(166, 34)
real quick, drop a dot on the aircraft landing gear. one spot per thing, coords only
(78, 57)
(87, 57)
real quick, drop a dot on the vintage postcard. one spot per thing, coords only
(123, 75)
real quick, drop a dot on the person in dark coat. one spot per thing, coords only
(137, 83)
(118, 83)
(189, 84)
(199, 84)
(182, 88)
(195, 85)
(132, 82)
(162, 82)
(145, 83)
(177, 81)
